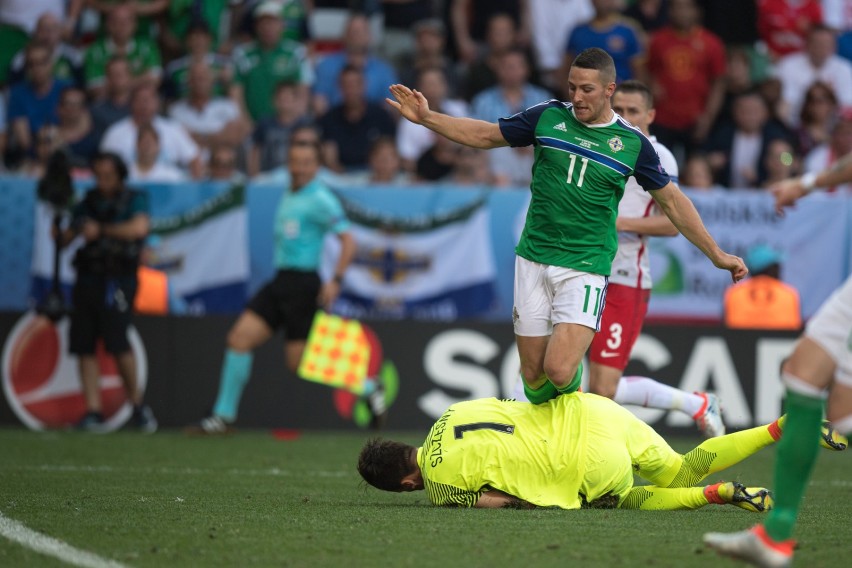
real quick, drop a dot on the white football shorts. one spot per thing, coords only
(546, 295)
(831, 328)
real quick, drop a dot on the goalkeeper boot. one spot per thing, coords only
(754, 499)
(831, 439)
(709, 418)
(753, 546)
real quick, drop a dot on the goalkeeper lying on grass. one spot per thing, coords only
(575, 451)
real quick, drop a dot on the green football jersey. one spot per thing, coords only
(260, 70)
(578, 178)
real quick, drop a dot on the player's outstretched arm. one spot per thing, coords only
(495, 499)
(788, 191)
(680, 209)
(412, 105)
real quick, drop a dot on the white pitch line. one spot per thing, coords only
(43, 544)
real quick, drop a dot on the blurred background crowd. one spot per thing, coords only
(747, 91)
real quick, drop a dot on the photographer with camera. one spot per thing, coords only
(114, 222)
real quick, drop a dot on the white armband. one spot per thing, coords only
(808, 181)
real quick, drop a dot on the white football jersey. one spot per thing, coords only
(631, 266)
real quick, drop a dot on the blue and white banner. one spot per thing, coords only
(202, 245)
(431, 267)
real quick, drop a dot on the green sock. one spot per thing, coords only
(542, 394)
(574, 385)
(797, 453)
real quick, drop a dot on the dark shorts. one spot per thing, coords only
(288, 301)
(103, 308)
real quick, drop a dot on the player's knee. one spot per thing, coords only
(560, 373)
(238, 341)
(532, 373)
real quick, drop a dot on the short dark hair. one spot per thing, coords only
(632, 86)
(383, 463)
(599, 60)
(116, 161)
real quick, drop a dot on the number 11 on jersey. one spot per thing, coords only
(583, 163)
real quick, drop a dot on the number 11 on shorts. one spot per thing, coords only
(589, 297)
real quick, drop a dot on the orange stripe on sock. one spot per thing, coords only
(712, 494)
(775, 430)
(785, 547)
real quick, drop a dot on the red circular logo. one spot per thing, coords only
(41, 379)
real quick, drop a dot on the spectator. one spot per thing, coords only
(429, 51)
(651, 15)
(3, 130)
(198, 48)
(33, 102)
(178, 148)
(817, 117)
(114, 222)
(141, 53)
(737, 81)
(45, 144)
(262, 64)
(271, 135)
(512, 94)
(471, 168)
(824, 156)
(780, 162)
(736, 151)
(118, 88)
(687, 65)
(784, 24)
(819, 62)
(552, 24)
(76, 131)
(147, 14)
(18, 19)
(501, 36)
(697, 174)
(763, 301)
(470, 18)
(401, 18)
(385, 164)
(350, 128)
(222, 165)
(610, 31)
(209, 119)
(147, 167)
(184, 16)
(438, 162)
(413, 139)
(67, 61)
(378, 74)
(294, 14)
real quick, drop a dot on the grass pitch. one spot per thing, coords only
(252, 499)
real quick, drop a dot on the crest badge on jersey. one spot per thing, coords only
(615, 144)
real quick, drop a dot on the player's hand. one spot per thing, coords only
(91, 230)
(410, 103)
(732, 264)
(786, 193)
(328, 294)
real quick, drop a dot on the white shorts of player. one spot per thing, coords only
(831, 328)
(546, 295)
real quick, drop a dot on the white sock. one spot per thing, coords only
(844, 425)
(643, 391)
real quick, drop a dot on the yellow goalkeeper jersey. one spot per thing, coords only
(534, 452)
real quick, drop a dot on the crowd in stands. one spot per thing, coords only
(747, 91)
